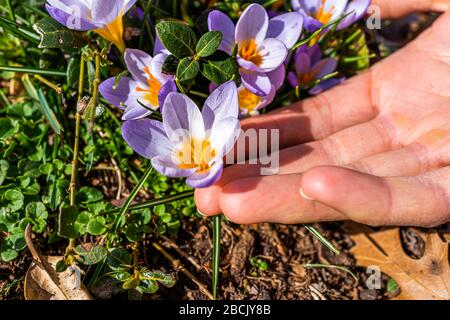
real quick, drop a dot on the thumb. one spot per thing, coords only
(399, 8)
(415, 201)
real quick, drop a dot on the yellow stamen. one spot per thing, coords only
(196, 153)
(322, 15)
(248, 100)
(249, 51)
(113, 32)
(151, 94)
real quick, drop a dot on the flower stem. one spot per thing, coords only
(94, 100)
(216, 255)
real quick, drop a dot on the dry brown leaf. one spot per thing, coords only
(42, 282)
(425, 279)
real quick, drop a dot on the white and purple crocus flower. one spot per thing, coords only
(102, 16)
(145, 91)
(262, 44)
(320, 12)
(309, 68)
(189, 143)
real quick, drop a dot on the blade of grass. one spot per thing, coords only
(155, 202)
(33, 71)
(216, 255)
(19, 31)
(11, 10)
(331, 266)
(38, 95)
(119, 221)
(321, 238)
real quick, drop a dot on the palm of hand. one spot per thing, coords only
(374, 150)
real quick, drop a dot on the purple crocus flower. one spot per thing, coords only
(102, 16)
(320, 12)
(262, 44)
(145, 91)
(310, 67)
(189, 143)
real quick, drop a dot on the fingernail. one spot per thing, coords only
(305, 196)
(201, 213)
(439, 6)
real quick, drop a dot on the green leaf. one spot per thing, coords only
(92, 256)
(392, 285)
(7, 128)
(149, 286)
(131, 283)
(95, 227)
(170, 65)
(119, 258)
(178, 38)
(66, 222)
(61, 266)
(54, 35)
(7, 253)
(4, 167)
(89, 195)
(187, 69)
(165, 279)
(208, 43)
(221, 71)
(13, 200)
(73, 72)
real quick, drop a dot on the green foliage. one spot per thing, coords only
(208, 43)
(178, 38)
(54, 35)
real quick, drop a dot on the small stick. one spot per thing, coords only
(174, 246)
(179, 267)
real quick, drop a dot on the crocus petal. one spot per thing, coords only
(136, 61)
(286, 28)
(325, 85)
(208, 178)
(258, 83)
(167, 165)
(146, 137)
(105, 11)
(273, 54)
(219, 21)
(310, 6)
(324, 67)
(182, 118)
(248, 65)
(302, 64)
(224, 134)
(252, 24)
(337, 7)
(156, 68)
(221, 104)
(359, 8)
(310, 24)
(295, 4)
(277, 76)
(135, 112)
(168, 87)
(293, 79)
(71, 19)
(128, 4)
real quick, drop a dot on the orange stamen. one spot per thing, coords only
(249, 51)
(248, 100)
(195, 153)
(322, 15)
(153, 88)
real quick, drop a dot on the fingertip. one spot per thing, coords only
(320, 183)
(207, 201)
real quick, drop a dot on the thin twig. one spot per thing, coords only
(179, 267)
(189, 258)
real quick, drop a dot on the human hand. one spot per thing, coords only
(375, 149)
